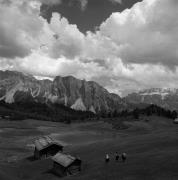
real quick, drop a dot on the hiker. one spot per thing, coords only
(80, 163)
(79, 168)
(124, 156)
(107, 158)
(116, 156)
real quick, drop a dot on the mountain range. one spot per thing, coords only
(78, 94)
(69, 91)
(163, 97)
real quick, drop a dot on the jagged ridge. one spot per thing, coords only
(72, 92)
(163, 97)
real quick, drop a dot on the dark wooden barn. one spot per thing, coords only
(64, 164)
(46, 147)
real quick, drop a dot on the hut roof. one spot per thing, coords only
(64, 159)
(45, 142)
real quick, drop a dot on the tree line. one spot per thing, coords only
(137, 112)
(61, 113)
(49, 112)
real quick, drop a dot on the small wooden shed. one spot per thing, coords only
(64, 164)
(46, 147)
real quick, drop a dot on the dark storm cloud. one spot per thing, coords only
(95, 12)
(50, 2)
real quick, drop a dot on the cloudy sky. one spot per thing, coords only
(125, 45)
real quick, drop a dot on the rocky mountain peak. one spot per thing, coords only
(163, 97)
(70, 91)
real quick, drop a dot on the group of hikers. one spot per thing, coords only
(117, 156)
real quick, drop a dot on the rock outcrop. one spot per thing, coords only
(77, 94)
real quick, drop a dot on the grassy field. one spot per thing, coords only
(151, 145)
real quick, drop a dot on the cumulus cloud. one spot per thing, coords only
(146, 33)
(69, 40)
(131, 50)
(20, 28)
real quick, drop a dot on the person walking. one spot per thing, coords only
(80, 163)
(124, 157)
(116, 156)
(107, 158)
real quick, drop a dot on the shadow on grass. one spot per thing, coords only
(31, 158)
(52, 172)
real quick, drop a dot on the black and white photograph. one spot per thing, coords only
(88, 89)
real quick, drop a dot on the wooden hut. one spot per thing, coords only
(64, 164)
(46, 147)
